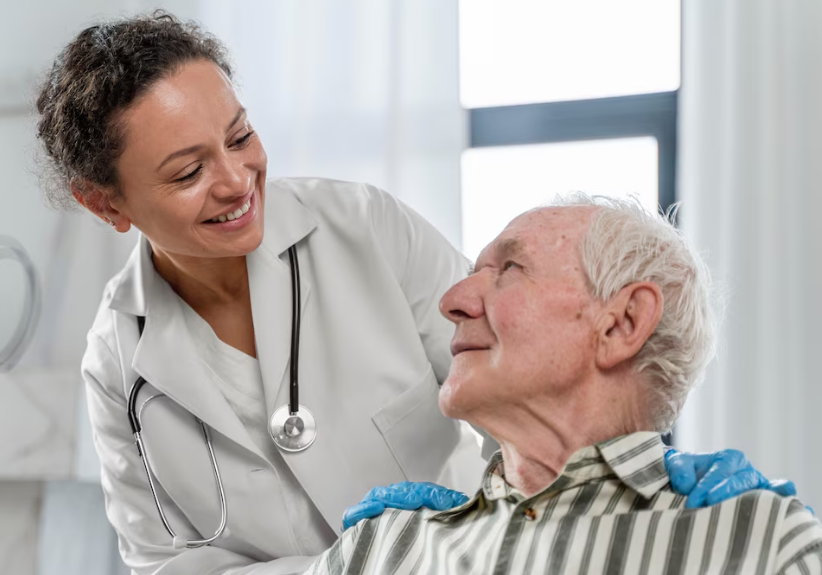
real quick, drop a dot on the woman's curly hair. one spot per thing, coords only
(93, 80)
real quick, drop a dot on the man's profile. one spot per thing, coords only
(578, 338)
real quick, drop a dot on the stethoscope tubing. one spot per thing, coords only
(135, 416)
(294, 390)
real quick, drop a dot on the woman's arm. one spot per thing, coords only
(426, 266)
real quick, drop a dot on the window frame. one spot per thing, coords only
(578, 120)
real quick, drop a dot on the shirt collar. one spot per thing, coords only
(637, 460)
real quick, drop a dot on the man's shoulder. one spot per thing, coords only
(379, 537)
(777, 526)
(799, 535)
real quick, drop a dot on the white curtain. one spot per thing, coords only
(750, 172)
(363, 90)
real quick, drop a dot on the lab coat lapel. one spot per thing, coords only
(270, 279)
(167, 357)
(269, 276)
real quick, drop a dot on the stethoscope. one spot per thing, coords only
(292, 427)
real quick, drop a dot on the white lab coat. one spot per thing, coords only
(373, 349)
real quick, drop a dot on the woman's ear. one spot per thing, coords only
(632, 316)
(97, 200)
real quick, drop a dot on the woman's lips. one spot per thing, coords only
(237, 223)
(238, 205)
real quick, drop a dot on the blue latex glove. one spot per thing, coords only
(405, 495)
(710, 478)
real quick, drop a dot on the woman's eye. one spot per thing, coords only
(191, 175)
(242, 141)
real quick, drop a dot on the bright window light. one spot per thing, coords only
(525, 51)
(500, 183)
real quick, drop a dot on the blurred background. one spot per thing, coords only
(470, 111)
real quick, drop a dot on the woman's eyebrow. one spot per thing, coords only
(239, 115)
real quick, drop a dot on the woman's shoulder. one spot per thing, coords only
(317, 186)
(355, 209)
(123, 284)
(328, 196)
(102, 327)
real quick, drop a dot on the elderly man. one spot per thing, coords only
(578, 337)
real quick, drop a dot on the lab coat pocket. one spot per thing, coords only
(407, 424)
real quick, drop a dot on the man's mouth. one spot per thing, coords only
(458, 347)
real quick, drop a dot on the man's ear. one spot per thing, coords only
(97, 200)
(627, 323)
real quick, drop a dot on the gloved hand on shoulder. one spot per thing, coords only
(710, 478)
(404, 495)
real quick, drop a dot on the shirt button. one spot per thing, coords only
(530, 514)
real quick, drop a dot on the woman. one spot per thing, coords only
(143, 127)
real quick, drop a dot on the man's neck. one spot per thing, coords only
(204, 282)
(539, 438)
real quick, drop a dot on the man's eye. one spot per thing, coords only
(508, 265)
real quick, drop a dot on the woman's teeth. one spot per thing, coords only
(232, 215)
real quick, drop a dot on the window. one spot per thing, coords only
(566, 96)
(504, 181)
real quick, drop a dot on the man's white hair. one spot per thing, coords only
(625, 244)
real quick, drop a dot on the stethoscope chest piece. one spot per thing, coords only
(292, 431)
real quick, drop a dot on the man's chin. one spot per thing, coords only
(452, 400)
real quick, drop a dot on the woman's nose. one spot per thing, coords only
(232, 178)
(463, 301)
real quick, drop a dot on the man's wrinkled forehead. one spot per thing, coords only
(556, 231)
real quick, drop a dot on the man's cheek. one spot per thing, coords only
(512, 314)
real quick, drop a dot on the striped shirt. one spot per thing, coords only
(610, 511)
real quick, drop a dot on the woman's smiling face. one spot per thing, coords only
(192, 171)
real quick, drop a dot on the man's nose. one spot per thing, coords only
(463, 301)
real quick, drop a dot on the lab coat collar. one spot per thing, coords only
(287, 220)
(170, 361)
(129, 295)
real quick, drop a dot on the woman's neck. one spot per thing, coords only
(203, 282)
